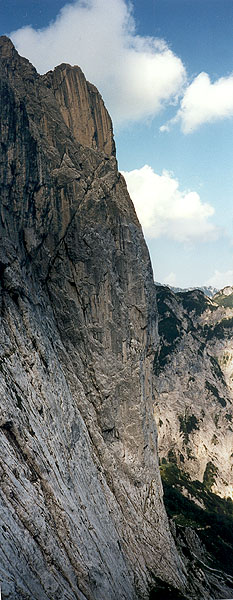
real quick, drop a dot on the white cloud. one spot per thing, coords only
(164, 210)
(170, 279)
(204, 102)
(165, 127)
(221, 278)
(135, 74)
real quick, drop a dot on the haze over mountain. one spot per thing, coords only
(208, 290)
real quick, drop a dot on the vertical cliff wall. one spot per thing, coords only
(82, 514)
(82, 108)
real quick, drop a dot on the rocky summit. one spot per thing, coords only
(82, 359)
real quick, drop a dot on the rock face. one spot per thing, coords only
(194, 367)
(82, 514)
(194, 413)
(83, 370)
(82, 108)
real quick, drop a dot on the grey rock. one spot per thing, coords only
(82, 514)
(194, 387)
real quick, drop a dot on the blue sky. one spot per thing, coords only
(164, 68)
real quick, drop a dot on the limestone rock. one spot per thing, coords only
(194, 365)
(82, 108)
(81, 363)
(82, 513)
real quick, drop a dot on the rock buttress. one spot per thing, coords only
(82, 108)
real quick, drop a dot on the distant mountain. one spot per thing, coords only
(194, 415)
(224, 297)
(194, 370)
(209, 291)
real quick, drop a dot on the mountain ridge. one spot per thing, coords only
(208, 290)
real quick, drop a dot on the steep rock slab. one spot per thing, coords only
(82, 511)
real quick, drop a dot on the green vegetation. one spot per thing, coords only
(226, 357)
(217, 369)
(214, 440)
(162, 591)
(195, 301)
(212, 388)
(223, 300)
(187, 425)
(169, 328)
(171, 456)
(220, 330)
(213, 522)
(216, 420)
(209, 475)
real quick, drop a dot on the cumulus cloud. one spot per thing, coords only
(136, 75)
(220, 279)
(170, 279)
(165, 210)
(204, 102)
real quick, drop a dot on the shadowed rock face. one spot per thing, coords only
(82, 514)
